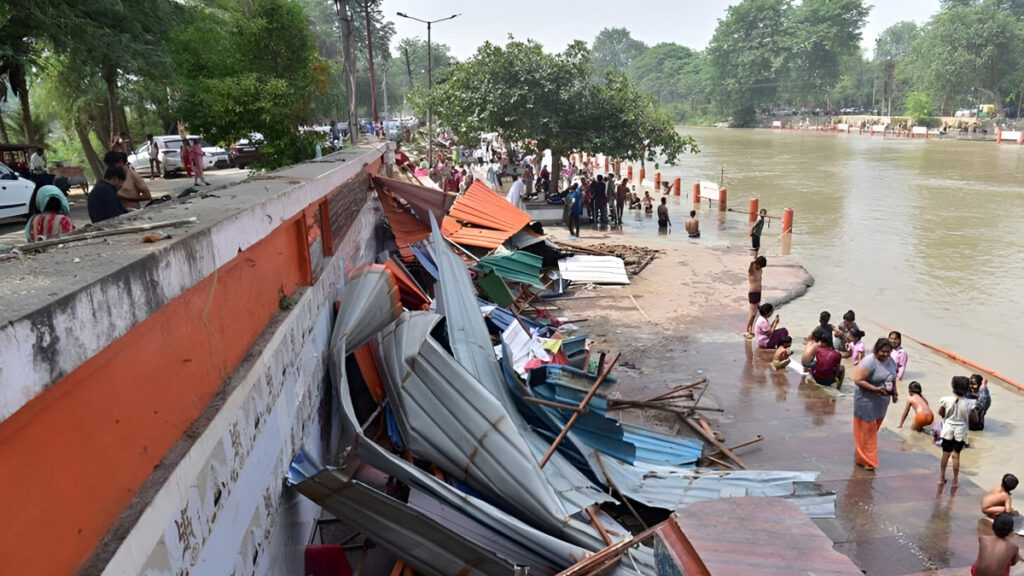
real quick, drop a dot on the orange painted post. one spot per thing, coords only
(696, 192)
(606, 164)
(677, 185)
(721, 200)
(642, 175)
(629, 173)
(860, 129)
(787, 221)
(753, 209)
(657, 181)
(999, 136)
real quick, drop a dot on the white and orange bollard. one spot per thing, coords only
(696, 192)
(676, 186)
(642, 175)
(629, 173)
(753, 209)
(787, 221)
(722, 205)
(657, 181)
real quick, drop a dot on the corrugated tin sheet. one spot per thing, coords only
(424, 201)
(480, 236)
(422, 541)
(672, 487)
(407, 228)
(480, 206)
(516, 266)
(449, 419)
(361, 308)
(588, 269)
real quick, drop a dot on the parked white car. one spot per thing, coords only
(15, 193)
(170, 155)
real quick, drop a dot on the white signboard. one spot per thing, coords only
(843, 127)
(919, 130)
(709, 190)
(776, 123)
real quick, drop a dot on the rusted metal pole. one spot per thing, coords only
(576, 416)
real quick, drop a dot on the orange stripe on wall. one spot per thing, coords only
(73, 457)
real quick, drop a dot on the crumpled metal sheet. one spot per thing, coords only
(673, 487)
(424, 542)
(574, 539)
(449, 419)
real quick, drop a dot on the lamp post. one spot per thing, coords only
(430, 83)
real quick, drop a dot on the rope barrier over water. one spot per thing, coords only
(958, 358)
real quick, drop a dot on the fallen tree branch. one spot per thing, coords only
(70, 238)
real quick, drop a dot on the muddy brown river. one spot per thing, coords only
(922, 236)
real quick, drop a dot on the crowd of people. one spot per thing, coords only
(875, 374)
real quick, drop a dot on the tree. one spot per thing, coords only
(919, 106)
(966, 50)
(250, 71)
(523, 93)
(824, 32)
(410, 70)
(671, 73)
(891, 47)
(747, 56)
(614, 49)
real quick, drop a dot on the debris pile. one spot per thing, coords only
(477, 435)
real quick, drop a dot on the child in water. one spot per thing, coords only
(855, 345)
(781, 358)
(922, 411)
(998, 500)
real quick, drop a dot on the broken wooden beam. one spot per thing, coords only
(714, 441)
(576, 415)
(741, 445)
(602, 556)
(597, 524)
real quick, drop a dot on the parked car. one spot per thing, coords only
(246, 151)
(15, 193)
(169, 156)
(783, 112)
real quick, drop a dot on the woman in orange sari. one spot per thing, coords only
(875, 377)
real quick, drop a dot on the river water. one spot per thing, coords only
(922, 236)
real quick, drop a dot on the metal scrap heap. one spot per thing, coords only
(476, 434)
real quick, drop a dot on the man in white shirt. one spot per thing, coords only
(515, 193)
(153, 151)
(36, 163)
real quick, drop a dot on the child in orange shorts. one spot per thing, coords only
(923, 416)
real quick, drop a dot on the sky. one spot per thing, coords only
(555, 23)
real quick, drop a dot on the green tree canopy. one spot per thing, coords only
(615, 49)
(523, 93)
(672, 74)
(247, 71)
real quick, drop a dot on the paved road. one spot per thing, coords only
(12, 230)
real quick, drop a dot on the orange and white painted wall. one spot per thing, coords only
(149, 410)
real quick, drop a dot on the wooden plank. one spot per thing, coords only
(601, 557)
(597, 524)
(714, 441)
(576, 415)
(741, 445)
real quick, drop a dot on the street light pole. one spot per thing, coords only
(430, 82)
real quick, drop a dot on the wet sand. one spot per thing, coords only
(681, 319)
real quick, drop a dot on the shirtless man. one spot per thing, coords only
(692, 225)
(754, 293)
(998, 500)
(995, 554)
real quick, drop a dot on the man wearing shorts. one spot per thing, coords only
(754, 292)
(755, 231)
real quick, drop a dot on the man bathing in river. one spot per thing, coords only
(754, 292)
(692, 225)
(996, 555)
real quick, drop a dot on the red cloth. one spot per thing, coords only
(327, 561)
(828, 362)
(48, 225)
